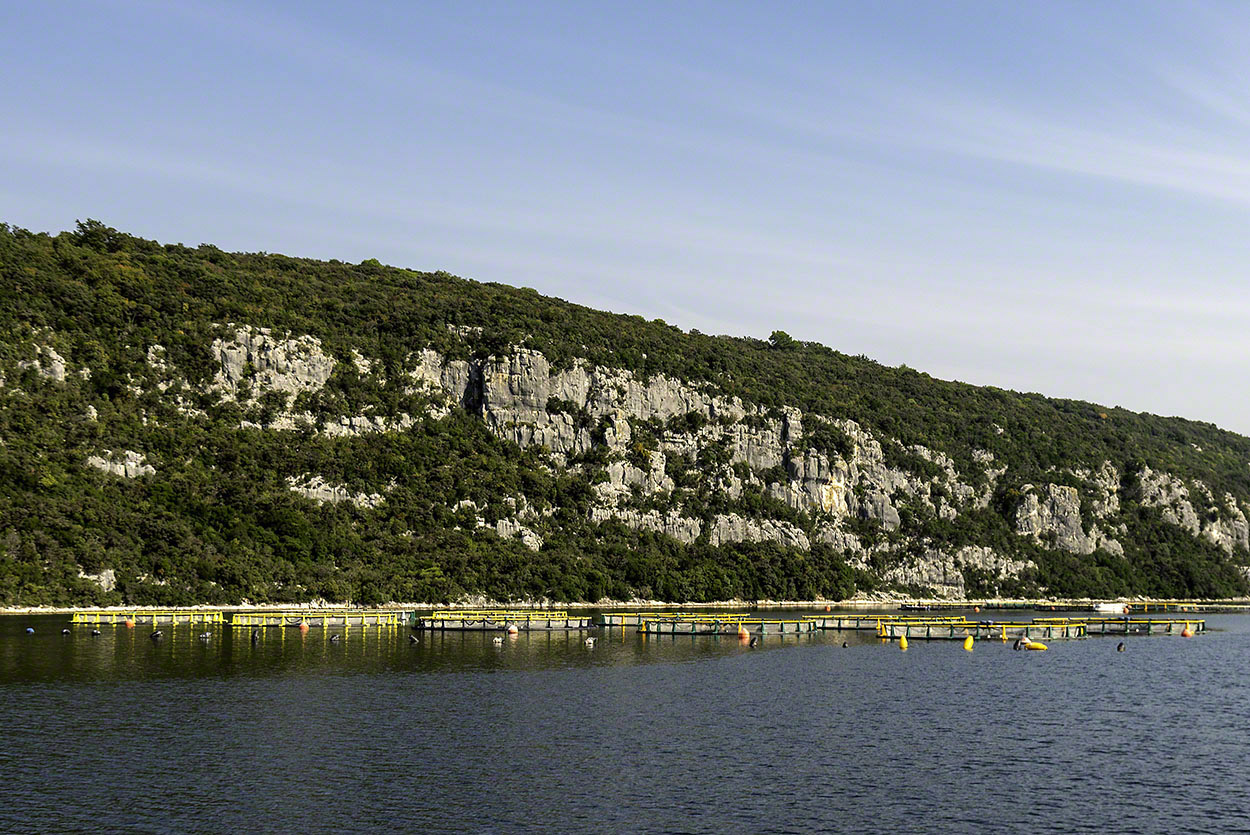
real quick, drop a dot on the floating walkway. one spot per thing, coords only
(498, 620)
(893, 626)
(617, 619)
(705, 625)
(321, 618)
(980, 630)
(135, 617)
(1131, 625)
(1187, 606)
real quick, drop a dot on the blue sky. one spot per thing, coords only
(1044, 196)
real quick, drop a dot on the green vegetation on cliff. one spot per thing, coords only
(218, 521)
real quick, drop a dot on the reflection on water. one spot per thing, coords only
(181, 652)
(649, 734)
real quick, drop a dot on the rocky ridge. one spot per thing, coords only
(649, 430)
(572, 410)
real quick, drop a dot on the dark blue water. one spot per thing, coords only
(701, 734)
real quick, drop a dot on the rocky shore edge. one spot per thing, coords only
(855, 604)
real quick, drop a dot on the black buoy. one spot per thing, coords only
(30, 630)
(845, 645)
(157, 635)
(95, 633)
(334, 639)
(755, 639)
(65, 631)
(1120, 647)
(1017, 645)
(255, 636)
(204, 636)
(413, 639)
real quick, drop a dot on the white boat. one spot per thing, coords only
(1111, 608)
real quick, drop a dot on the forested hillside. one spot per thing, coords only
(184, 425)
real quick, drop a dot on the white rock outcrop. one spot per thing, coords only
(1053, 512)
(47, 363)
(127, 464)
(1170, 495)
(681, 528)
(106, 579)
(322, 492)
(256, 358)
(512, 529)
(731, 527)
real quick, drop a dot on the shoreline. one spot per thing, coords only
(859, 604)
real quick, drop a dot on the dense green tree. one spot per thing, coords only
(219, 523)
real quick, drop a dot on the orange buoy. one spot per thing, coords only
(1187, 632)
(303, 626)
(130, 624)
(828, 608)
(976, 609)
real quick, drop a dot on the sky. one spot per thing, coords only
(1041, 196)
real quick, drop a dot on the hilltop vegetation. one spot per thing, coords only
(871, 476)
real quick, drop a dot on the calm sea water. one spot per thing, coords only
(298, 734)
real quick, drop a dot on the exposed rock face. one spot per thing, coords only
(156, 358)
(365, 425)
(363, 365)
(317, 489)
(1054, 512)
(47, 363)
(106, 579)
(512, 529)
(877, 506)
(1169, 494)
(576, 409)
(1051, 515)
(624, 478)
(943, 574)
(817, 483)
(1107, 483)
(1230, 530)
(127, 464)
(255, 357)
(673, 524)
(839, 538)
(937, 572)
(733, 528)
(460, 379)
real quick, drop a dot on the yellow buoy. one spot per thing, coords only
(968, 643)
(902, 642)
(1035, 645)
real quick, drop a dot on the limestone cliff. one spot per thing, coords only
(572, 411)
(200, 426)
